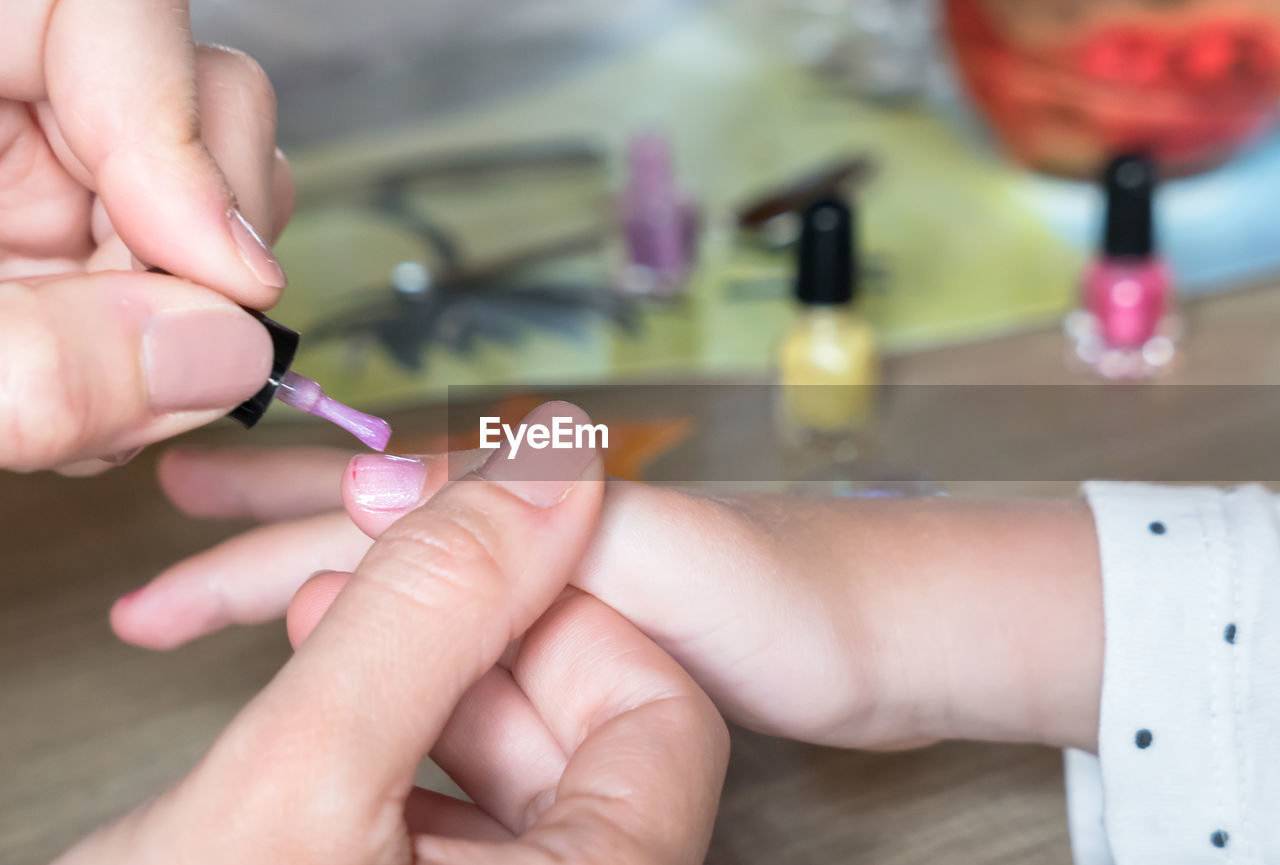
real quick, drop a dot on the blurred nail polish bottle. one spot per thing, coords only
(1127, 327)
(660, 221)
(828, 363)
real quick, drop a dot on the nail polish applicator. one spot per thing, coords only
(304, 394)
(301, 392)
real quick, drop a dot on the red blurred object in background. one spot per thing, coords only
(1189, 84)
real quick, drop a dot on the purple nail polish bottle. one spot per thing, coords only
(660, 221)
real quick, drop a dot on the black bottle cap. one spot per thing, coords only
(285, 344)
(1130, 182)
(827, 271)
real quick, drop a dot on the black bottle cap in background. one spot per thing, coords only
(1130, 182)
(828, 269)
(285, 344)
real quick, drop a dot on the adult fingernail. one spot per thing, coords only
(204, 359)
(123, 458)
(387, 483)
(255, 252)
(542, 477)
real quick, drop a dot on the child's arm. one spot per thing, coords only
(978, 620)
(859, 624)
(878, 624)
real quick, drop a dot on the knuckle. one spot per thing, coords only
(443, 559)
(590, 834)
(241, 72)
(286, 185)
(41, 412)
(252, 768)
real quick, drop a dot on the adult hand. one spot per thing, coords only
(579, 742)
(121, 142)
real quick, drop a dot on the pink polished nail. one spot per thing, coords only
(204, 359)
(255, 252)
(387, 483)
(542, 477)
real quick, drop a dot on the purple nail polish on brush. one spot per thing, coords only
(304, 394)
(300, 392)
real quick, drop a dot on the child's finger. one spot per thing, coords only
(311, 602)
(263, 484)
(379, 489)
(247, 580)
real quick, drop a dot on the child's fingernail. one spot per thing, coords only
(387, 483)
(255, 252)
(542, 477)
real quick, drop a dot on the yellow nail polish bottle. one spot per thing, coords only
(828, 365)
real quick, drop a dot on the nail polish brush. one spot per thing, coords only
(301, 392)
(304, 394)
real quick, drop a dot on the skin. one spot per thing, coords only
(577, 739)
(121, 142)
(125, 146)
(858, 624)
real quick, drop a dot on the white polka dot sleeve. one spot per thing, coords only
(1188, 765)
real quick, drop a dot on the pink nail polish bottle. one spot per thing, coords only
(1128, 326)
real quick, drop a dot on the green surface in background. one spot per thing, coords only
(963, 257)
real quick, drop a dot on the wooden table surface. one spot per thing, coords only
(90, 727)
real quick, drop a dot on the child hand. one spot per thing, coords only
(700, 574)
(868, 624)
(860, 624)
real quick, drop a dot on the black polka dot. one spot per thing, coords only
(1158, 528)
(1143, 739)
(1230, 634)
(1219, 838)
